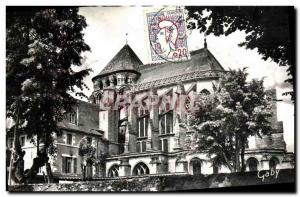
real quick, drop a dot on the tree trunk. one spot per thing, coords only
(49, 172)
(45, 178)
(38, 162)
(237, 154)
(243, 154)
(37, 144)
(83, 170)
(231, 168)
(16, 161)
(17, 174)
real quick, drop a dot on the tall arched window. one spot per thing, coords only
(140, 169)
(252, 164)
(166, 114)
(121, 135)
(142, 127)
(143, 121)
(273, 163)
(113, 171)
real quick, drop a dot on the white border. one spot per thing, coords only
(4, 3)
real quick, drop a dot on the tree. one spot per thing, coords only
(269, 30)
(87, 153)
(44, 45)
(225, 119)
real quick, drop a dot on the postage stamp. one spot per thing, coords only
(167, 35)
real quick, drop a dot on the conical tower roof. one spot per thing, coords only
(124, 60)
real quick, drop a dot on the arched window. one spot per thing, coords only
(120, 79)
(166, 114)
(113, 171)
(273, 163)
(195, 166)
(115, 80)
(143, 116)
(107, 83)
(205, 92)
(121, 135)
(252, 164)
(140, 169)
(143, 121)
(100, 85)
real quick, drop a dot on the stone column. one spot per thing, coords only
(180, 135)
(154, 112)
(156, 165)
(107, 104)
(264, 163)
(180, 101)
(132, 121)
(124, 168)
(113, 131)
(127, 137)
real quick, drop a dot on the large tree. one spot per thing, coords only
(226, 118)
(87, 152)
(44, 45)
(270, 30)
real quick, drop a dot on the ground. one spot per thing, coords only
(165, 183)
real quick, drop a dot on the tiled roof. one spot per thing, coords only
(124, 60)
(88, 119)
(201, 60)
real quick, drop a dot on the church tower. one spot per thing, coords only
(115, 80)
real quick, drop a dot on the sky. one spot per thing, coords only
(106, 35)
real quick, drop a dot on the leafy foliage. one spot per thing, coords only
(43, 47)
(236, 110)
(268, 29)
(87, 152)
(48, 43)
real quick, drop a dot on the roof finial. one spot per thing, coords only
(126, 38)
(205, 43)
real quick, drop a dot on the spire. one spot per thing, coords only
(124, 60)
(126, 38)
(205, 44)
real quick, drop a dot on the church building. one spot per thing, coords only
(150, 140)
(138, 140)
